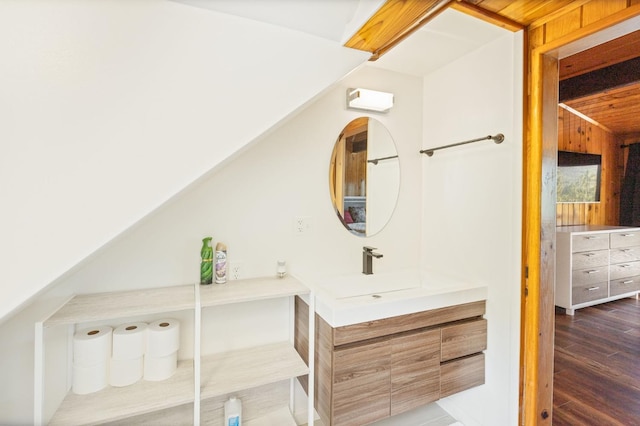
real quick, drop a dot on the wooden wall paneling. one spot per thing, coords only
(597, 9)
(563, 25)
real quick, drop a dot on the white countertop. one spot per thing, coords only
(351, 299)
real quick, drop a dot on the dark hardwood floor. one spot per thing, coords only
(597, 365)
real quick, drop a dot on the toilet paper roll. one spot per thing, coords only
(160, 368)
(129, 340)
(92, 346)
(89, 379)
(163, 337)
(125, 372)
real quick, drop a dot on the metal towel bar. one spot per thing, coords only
(497, 139)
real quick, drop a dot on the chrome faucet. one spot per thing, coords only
(367, 259)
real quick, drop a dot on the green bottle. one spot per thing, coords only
(206, 264)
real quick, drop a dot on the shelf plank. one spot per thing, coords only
(112, 403)
(250, 289)
(280, 417)
(121, 304)
(247, 368)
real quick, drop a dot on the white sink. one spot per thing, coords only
(354, 285)
(355, 298)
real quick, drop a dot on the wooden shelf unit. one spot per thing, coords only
(195, 380)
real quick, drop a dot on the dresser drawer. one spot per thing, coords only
(623, 270)
(621, 255)
(587, 293)
(590, 259)
(588, 276)
(624, 285)
(587, 242)
(625, 239)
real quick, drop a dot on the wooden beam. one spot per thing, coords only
(597, 81)
(392, 23)
(486, 15)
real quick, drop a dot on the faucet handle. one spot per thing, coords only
(369, 249)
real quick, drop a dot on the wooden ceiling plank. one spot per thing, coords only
(617, 75)
(486, 15)
(557, 13)
(527, 11)
(609, 53)
(393, 20)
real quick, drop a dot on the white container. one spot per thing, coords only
(233, 412)
(221, 263)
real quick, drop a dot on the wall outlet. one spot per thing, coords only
(302, 224)
(235, 271)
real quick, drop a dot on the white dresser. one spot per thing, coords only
(596, 264)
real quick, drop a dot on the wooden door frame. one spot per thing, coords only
(539, 199)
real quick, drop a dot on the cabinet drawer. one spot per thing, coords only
(587, 242)
(621, 255)
(590, 259)
(587, 293)
(625, 239)
(624, 285)
(622, 270)
(583, 277)
(464, 339)
(461, 374)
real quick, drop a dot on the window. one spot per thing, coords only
(578, 177)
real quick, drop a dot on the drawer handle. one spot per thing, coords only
(593, 271)
(591, 238)
(624, 266)
(626, 250)
(589, 254)
(626, 235)
(593, 288)
(627, 282)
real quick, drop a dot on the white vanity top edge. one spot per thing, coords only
(434, 292)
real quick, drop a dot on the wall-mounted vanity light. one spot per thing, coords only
(370, 100)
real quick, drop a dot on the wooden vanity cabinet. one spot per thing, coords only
(369, 371)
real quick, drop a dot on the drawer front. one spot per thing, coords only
(464, 339)
(590, 259)
(587, 293)
(461, 374)
(625, 239)
(622, 270)
(584, 277)
(588, 242)
(624, 285)
(628, 254)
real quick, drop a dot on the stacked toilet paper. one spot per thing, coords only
(129, 343)
(91, 354)
(122, 356)
(163, 341)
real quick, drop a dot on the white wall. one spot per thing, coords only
(249, 204)
(111, 108)
(472, 207)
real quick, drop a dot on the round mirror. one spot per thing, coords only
(364, 176)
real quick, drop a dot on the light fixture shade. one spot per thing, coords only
(370, 100)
